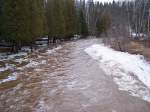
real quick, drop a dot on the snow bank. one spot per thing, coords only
(9, 78)
(130, 72)
(131, 63)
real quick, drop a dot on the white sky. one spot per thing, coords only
(108, 0)
(104, 0)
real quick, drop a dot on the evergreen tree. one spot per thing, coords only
(1, 5)
(62, 18)
(70, 18)
(103, 24)
(23, 21)
(36, 19)
(15, 21)
(83, 24)
(55, 18)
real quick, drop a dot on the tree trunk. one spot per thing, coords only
(48, 41)
(14, 48)
(31, 46)
(54, 39)
(19, 45)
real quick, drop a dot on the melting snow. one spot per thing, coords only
(33, 64)
(7, 67)
(130, 72)
(9, 78)
(3, 69)
(54, 50)
(4, 56)
(19, 55)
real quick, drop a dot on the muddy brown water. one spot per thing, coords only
(69, 81)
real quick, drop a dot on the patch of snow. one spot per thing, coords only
(18, 55)
(21, 60)
(35, 63)
(134, 35)
(130, 72)
(32, 63)
(7, 67)
(7, 56)
(9, 78)
(3, 56)
(76, 37)
(2, 69)
(53, 50)
(26, 49)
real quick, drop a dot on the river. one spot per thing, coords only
(66, 80)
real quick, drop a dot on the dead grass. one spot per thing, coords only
(5, 74)
(2, 64)
(17, 64)
(135, 47)
(8, 85)
(5, 49)
(129, 45)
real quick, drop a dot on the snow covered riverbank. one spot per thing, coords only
(130, 72)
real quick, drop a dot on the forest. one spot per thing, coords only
(24, 22)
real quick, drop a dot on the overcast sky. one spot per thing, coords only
(107, 0)
(104, 0)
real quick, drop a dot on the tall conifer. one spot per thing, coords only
(23, 21)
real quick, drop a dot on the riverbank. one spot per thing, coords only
(139, 47)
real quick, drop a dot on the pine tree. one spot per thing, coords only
(70, 18)
(82, 22)
(23, 21)
(62, 19)
(1, 5)
(36, 19)
(15, 21)
(55, 18)
(103, 24)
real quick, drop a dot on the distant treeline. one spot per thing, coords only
(24, 21)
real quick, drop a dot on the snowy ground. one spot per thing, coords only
(130, 72)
